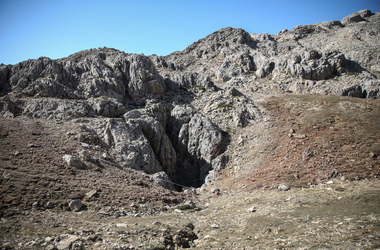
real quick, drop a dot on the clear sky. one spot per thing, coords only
(57, 28)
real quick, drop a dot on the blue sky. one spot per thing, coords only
(57, 28)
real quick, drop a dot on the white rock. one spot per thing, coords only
(69, 242)
(48, 239)
(190, 204)
(92, 193)
(72, 161)
(35, 204)
(283, 187)
(252, 209)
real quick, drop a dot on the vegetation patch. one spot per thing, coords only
(225, 105)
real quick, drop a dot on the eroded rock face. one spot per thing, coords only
(95, 73)
(184, 151)
(321, 54)
(130, 147)
(107, 83)
(197, 141)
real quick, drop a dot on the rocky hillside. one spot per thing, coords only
(233, 109)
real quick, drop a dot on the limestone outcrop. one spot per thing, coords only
(173, 116)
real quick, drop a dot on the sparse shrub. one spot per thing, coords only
(223, 105)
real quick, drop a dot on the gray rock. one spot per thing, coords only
(189, 81)
(190, 203)
(71, 243)
(85, 155)
(74, 162)
(162, 179)
(220, 162)
(370, 91)
(140, 142)
(331, 24)
(130, 147)
(354, 91)
(186, 205)
(88, 83)
(103, 72)
(8, 108)
(245, 114)
(49, 205)
(197, 142)
(51, 247)
(356, 17)
(108, 107)
(157, 223)
(233, 92)
(190, 191)
(75, 205)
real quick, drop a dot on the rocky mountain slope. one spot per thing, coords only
(123, 133)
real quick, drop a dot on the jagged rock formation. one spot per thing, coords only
(172, 115)
(306, 59)
(129, 91)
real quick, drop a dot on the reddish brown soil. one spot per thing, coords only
(32, 170)
(314, 139)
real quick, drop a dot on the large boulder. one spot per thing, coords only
(74, 162)
(158, 140)
(130, 148)
(162, 179)
(356, 17)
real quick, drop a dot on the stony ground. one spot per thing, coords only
(309, 140)
(336, 215)
(324, 148)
